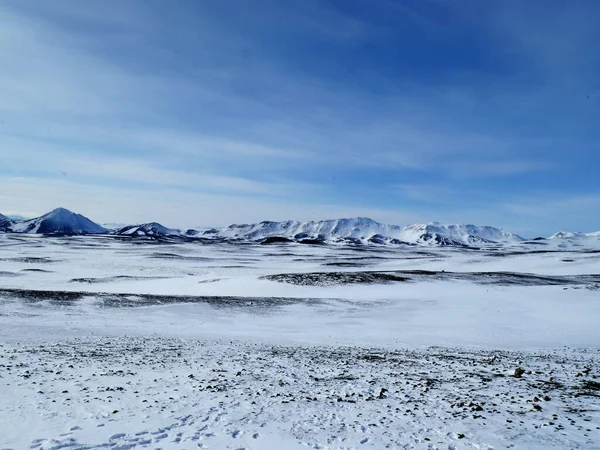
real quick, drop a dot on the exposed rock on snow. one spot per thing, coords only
(122, 343)
(276, 240)
(59, 221)
(5, 223)
(133, 392)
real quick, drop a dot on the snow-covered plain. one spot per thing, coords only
(110, 342)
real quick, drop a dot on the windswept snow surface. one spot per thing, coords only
(367, 230)
(59, 221)
(113, 343)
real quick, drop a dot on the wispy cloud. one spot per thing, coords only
(307, 103)
(174, 207)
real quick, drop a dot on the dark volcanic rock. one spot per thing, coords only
(5, 223)
(276, 240)
(311, 241)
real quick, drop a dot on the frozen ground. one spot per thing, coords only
(130, 344)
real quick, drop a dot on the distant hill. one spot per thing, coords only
(59, 221)
(147, 229)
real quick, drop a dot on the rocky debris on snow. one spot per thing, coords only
(217, 393)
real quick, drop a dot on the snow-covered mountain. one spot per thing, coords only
(567, 235)
(58, 221)
(358, 230)
(573, 235)
(147, 229)
(436, 233)
(5, 223)
(365, 230)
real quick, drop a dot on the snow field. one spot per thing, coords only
(148, 344)
(132, 392)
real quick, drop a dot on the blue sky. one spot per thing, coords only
(216, 112)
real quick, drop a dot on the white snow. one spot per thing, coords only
(112, 343)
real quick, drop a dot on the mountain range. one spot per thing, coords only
(364, 230)
(359, 230)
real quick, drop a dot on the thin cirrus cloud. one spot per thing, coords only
(301, 106)
(109, 204)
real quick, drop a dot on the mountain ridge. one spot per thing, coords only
(366, 230)
(354, 230)
(573, 235)
(147, 229)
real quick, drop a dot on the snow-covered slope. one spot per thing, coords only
(59, 221)
(567, 235)
(5, 223)
(573, 235)
(365, 230)
(360, 228)
(148, 229)
(436, 233)
(569, 241)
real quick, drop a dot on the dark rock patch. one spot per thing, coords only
(276, 240)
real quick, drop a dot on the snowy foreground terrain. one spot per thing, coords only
(127, 343)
